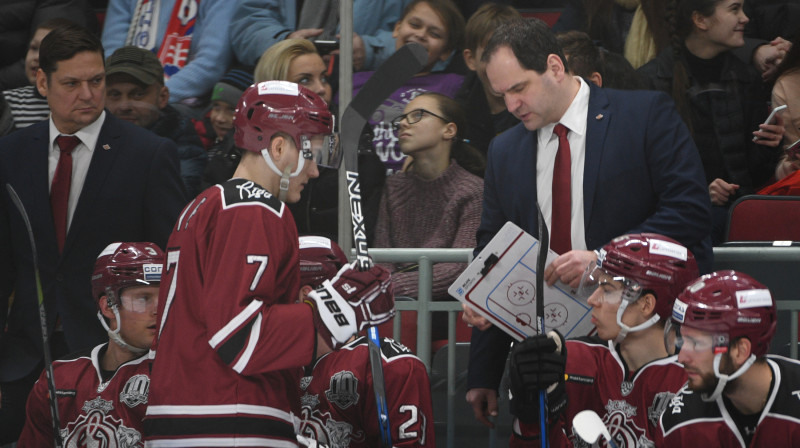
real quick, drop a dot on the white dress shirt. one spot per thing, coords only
(575, 120)
(81, 158)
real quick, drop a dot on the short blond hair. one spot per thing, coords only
(274, 63)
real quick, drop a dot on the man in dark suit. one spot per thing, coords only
(113, 182)
(630, 167)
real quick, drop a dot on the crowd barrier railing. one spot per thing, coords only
(775, 267)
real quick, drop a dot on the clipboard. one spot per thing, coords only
(500, 282)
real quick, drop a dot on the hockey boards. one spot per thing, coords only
(390, 76)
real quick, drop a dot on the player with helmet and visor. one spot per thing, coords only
(736, 394)
(623, 373)
(338, 398)
(102, 392)
(232, 338)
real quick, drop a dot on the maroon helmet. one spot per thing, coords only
(121, 265)
(281, 106)
(729, 303)
(654, 262)
(320, 260)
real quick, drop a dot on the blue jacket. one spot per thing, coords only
(258, 24)
(210, 54)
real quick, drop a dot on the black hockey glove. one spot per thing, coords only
(536, 364)
(351, 301)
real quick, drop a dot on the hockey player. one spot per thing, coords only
(624, 373)
(337, 392)
(232, 339)
(102, 392)
(736, 396)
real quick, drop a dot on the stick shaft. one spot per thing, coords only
(48, 362)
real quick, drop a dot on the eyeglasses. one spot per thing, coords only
(414, 116)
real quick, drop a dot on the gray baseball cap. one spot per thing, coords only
(142, 64)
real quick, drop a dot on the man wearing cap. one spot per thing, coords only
(85, 179)
(135, 92)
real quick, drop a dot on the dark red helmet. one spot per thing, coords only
(281, 106)
(320, 260)
(121, 265)
(655, 262)
(730, 303)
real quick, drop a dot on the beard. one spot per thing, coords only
(708, 381)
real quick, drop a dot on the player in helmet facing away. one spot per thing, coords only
(737, 395)
(232, 338)
(102, 392)
(624, 373)
(338, 401)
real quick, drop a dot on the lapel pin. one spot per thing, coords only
(599, 117)
(106, 147)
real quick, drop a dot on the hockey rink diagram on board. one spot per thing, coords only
(500, 284)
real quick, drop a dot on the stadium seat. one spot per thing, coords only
(764, 218)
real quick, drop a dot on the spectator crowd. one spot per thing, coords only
(142, 137)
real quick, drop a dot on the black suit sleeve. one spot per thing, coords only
(166, 194)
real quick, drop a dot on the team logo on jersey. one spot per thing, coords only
(626, 388)
(305, 381)
(620, 423)
(660, 404)
(96, 428)
(135, 391)
(321, 427)
(676, 403)
(343, 389)
(309, 401)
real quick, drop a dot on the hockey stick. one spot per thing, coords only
(51, 385)
(541, 259)
(391, 75)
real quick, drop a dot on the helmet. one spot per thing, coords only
(320, 260)
(280, 106)
(121, 265)
(729, 303)
(655, 262)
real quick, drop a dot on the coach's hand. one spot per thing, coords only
(484, 404)
(351, 301)
(537, 364)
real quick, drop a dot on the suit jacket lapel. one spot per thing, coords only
(39, 187)
(598, 119)
(99, 170)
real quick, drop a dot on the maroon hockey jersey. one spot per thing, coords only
(92, 412)
(598, 379)
(690, 421)
(231, 339)
(339, 408)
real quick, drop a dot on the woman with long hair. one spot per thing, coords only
(436, 201)
(316, 213)
(721, 99)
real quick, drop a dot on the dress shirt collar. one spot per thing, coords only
(88, 135)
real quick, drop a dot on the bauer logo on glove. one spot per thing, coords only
(351, 301)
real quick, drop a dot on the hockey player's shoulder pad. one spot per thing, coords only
(687, 406)
(243, 192)
(389, 347)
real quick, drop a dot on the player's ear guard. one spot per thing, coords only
(351, 301)
(538, 363)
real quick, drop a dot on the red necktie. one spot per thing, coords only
(59, 191)
(561, 228)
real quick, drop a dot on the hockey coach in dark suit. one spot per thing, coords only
(86, 180)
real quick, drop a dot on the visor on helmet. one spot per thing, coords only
(614, 287)
(139, 300)
(322, 149)
(675, 341)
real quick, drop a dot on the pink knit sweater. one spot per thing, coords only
(441, 213)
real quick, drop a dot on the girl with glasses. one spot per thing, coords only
(436, 201)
